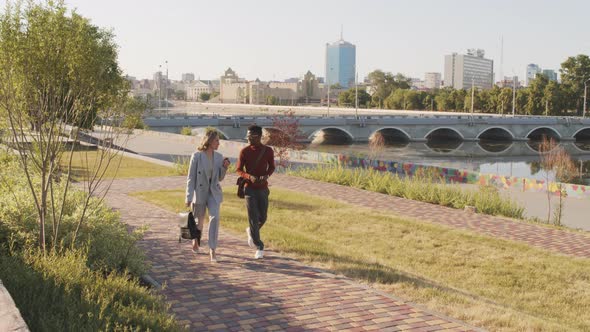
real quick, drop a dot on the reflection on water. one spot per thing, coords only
(444, 146)
(583, 145)
(520, 159)
(494, 146)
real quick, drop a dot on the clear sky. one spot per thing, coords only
(278, 39)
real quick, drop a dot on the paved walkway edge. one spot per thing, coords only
(10, 317)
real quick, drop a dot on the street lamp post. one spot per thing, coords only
(585, 93)
(328, 80)
(356, 94)
(513, 95)
(159, 87)
(328, 99)
(472, 93)
(166, 87)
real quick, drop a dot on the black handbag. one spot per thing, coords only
(241, 189)
(194, 232)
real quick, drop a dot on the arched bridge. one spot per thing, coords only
(413, 128)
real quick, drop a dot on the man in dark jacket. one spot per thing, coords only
(255, 164)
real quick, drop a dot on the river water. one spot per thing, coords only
(519, 159)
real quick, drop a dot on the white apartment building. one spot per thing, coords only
(462, 71)
(194, 90)
(432, 80)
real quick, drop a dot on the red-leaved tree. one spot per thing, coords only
(284, 136)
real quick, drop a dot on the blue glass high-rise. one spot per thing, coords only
(340, 63)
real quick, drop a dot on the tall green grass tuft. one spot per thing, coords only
(181, 165)
(425, 187)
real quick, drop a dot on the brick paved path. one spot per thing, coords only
(241, 294)
(279, 293)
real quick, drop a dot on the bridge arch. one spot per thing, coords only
(444, 133)
(391, 135)
(582, 134)
(538, 133)
(332, 135)
(496, 134)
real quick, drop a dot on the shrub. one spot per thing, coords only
(60, 293)
(108, 243)
(186, 131)
(426, 187)
(91, 288)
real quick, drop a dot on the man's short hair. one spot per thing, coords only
(254, 129)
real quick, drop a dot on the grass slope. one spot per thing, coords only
(492, 283)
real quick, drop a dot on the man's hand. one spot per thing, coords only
(188, 204)
(226, 163)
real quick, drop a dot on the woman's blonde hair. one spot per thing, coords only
(210, 135)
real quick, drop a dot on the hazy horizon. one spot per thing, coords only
(278, 40)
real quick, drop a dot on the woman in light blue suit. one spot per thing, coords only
(203, 190)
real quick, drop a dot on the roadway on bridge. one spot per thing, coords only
(194, 108)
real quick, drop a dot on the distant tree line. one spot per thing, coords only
(541, 97)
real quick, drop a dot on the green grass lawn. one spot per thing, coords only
(128, 167)
(491, 283)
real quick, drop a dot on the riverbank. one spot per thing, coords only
(169, 147)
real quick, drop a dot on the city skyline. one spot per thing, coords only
(276, 41)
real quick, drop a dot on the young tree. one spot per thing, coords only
(272, 100)
(488, 100)
(444, 100)
(428, 102)
(134, 108)
(554, 99)
(57, 73)
(522, 98)
(205, 96)
(505, 101)
(555, 160)
(458, 97)
(535, 105)
(574, 71)
(179, 94)
(477, 104)
(347, 98)
(413, 100)
(284, 136)
(396, 100)
(382, 83)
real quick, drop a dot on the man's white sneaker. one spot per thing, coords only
(259, 254)
(250, 240)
